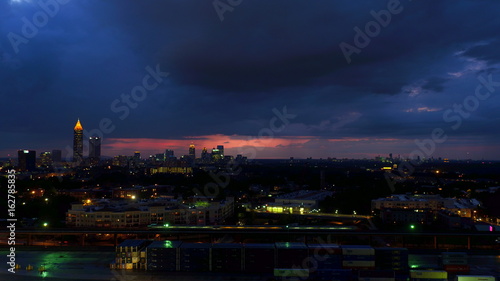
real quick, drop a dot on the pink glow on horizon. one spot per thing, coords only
(279, 147)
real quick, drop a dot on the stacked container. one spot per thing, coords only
(358, 257)
(291, 274)
(455, 262)
(290, 254)
(332, 274)
(391, 258)
(227, 257)
(194, 257)
(259, 258)
(428, 275)
(327, 256)
(376, 275)
(328, 259)
(474, 278)
(127, 253)
(163, 255)
(142, 260)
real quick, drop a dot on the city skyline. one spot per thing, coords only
(90, 147)
(348, 80)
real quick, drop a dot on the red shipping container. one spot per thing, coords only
(456, 268)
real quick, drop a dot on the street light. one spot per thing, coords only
(45, 224)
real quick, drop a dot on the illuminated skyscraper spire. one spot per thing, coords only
(192, 153)
(78, 143)
(78, 126)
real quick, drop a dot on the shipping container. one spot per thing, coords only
(227, 257)
(290, 254)
(428, 274)
(132, 245)
(456, 268)
(376, 278)
(474, 278)
(163, 255)
(291, 272)
(358, 257)
(376, 273)
(332, 274)
(357, 250)
(454, 261)
(391, 251)
(326, 256)
(358, 264)
(324, 249)
(391, 258)
(195, 257)
(453, 255)
(259, 258)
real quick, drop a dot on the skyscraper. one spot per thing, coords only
(192, 152)
(216, 155)
(169, 153)
(137, 155)
(221, 150)
(27, 160)
(205, 156)
(46, 159)
(78, 143)
(95, 149)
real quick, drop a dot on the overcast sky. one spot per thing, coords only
(231, 68)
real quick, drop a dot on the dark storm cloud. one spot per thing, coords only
(435, 84)
(487, 52)
(226, 77)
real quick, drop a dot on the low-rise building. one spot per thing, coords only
(121, 213)
(298, 202)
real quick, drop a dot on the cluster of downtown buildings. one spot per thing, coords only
(28, 161)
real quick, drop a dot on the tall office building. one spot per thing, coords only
(78, 142)
(205, 156)
(192, 152)
(26, 159)
(216, 155)
(221, 150)
(137, 155)
(46, 159)
(95, 149)
(169, 153)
